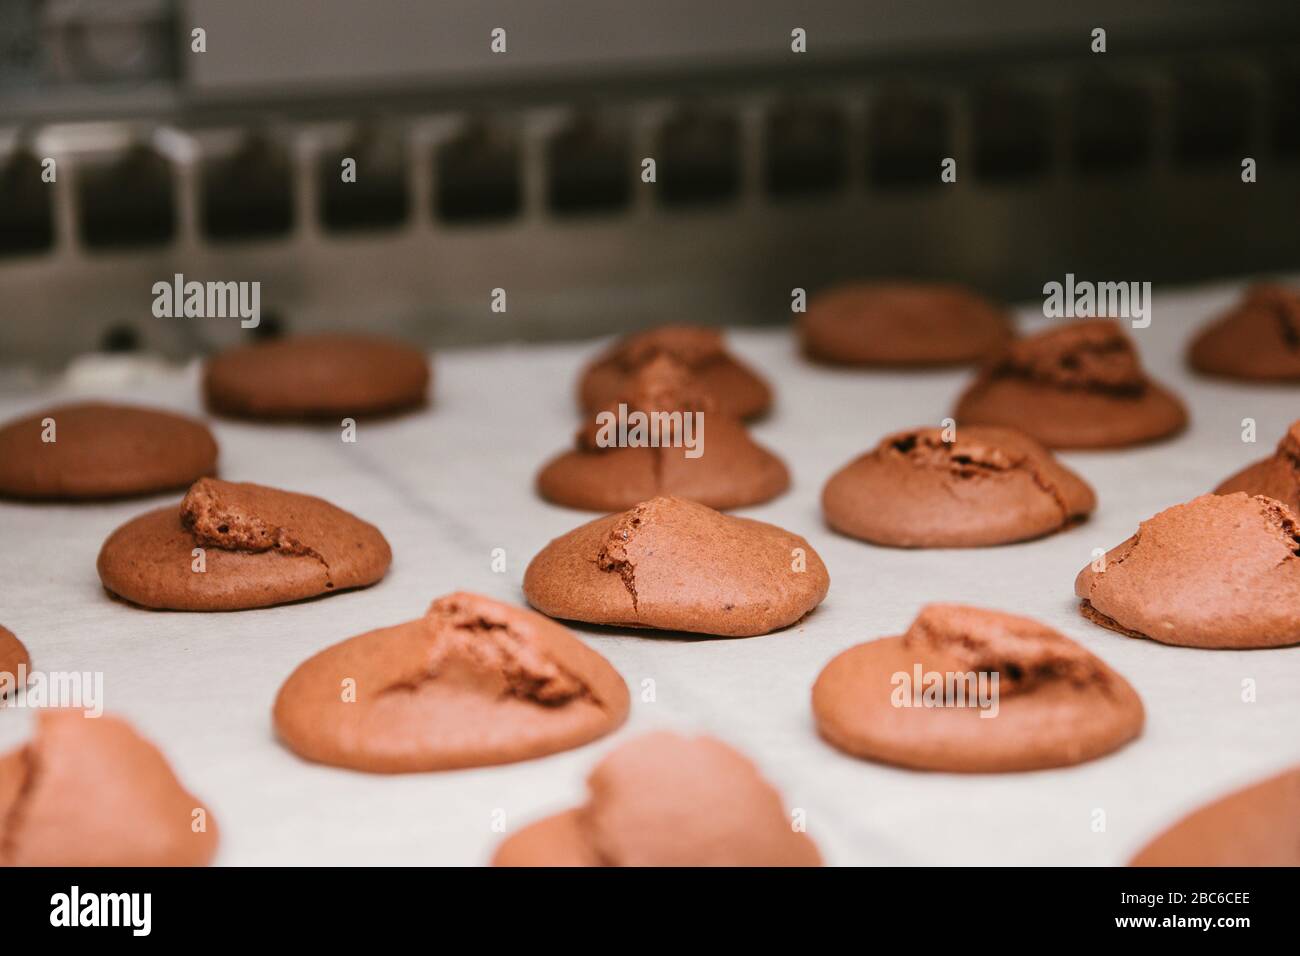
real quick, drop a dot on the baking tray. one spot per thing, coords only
(450, 484)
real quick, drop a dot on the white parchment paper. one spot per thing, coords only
(449, 485)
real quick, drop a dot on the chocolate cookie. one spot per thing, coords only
(474, 682)
(1218, 571)
(1074, 386)
(665, 800)
(1277, 476)
(974, 691)
(665, 436)
(1257, 340)
(677, 565)
(734, 386)
(1257, 826)
(257, 546)
(325, 376)
(100, 450)
(901, 324)
(90, 791)
(12, 656)
(988, 486)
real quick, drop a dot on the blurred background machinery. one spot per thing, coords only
(521, 170)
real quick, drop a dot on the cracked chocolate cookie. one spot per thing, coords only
(13, 655)
(1218, 571)
(472, 683)
(1255, 826)
(235, 545)
(677, 565)
(1257, 340)
(988, 486)
(901, 325)
(664, 436)
(666, 800)
(323, 376)
(96, 450)
(1078, 385)
(735, 387)
(968, 690)
(1277, 476)
(90, 791)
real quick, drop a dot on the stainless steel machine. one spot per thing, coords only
(504, 146)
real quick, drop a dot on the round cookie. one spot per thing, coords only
(735, 387)
(677, 565)
(1078, 385)
(677, 443)
(102, 450)
(90, 791)
(927, 699)
(259, 546)
(1277, 476)
(13, 655)
(1256, 826)
(472, 683)
(665, 800)
(902, 325)
(1258, 340)
(988, 486)
(1218, 571)
(324, 376)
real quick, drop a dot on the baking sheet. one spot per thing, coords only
(449, 485)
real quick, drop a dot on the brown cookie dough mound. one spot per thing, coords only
(261, 546)
(1218, 571)
(1257, 340)
(474, 682)
(734, 386)
(324, 376)
(677, 565)
(730, 469)
(1055, 703)
(90, 791)
(102, 451)
(13, 655)
(1257, 826)
(665, 800)
(900, 324)
(988, 486)
(1277, 476)
(1079, 385)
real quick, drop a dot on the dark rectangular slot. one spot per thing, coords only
(1012, 130)
(478, 177)
(1112, 126)
(248, 194)
(127, 202)
(1212, 116)
(26, 206)
(805, 150)
(699, 159)
(588, 169)
(908, 137)
(378, 198)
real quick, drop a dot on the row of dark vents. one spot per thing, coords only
(590, 169)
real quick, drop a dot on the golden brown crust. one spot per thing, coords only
(1078, 385)
(276, 546)
(322, 376)
(89, 791)
(472, 683)
(102, 451)
(987, 486)
(1055, 704)
(901, 325)
(673, 564)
